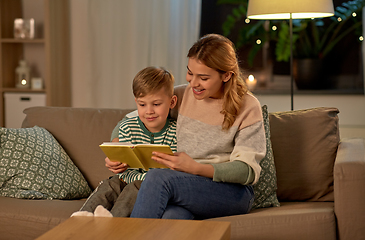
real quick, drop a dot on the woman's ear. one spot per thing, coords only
(226, 76)
(173, 101)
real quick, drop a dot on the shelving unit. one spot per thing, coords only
(48, 54)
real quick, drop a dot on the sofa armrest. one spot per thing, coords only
(349, 188)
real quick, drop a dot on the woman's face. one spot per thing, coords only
(205, 81)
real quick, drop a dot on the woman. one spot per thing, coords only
(220, 138)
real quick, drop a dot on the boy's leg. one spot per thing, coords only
(105, 194)
(123, 206)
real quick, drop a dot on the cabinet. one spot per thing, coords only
(48, 54)
(15, 103)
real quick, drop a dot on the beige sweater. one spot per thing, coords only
(200, 135)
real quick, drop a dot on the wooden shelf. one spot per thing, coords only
(47, 55)
(14, 40)
(20, 90)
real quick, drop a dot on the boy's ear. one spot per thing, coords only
(173, 101)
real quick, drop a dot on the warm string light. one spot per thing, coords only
(258, 41)
(274, 28)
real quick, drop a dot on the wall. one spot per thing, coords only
(80, 72)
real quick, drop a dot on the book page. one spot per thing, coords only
(117, 144)
(144, 153)
(122, 153)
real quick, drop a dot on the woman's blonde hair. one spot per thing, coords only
(151, 80)
(218, 52)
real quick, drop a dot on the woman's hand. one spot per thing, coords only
(183, 163)
(115, 167)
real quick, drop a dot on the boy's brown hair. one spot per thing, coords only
(151, 80)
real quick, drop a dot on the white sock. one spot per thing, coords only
(82, 214)
(100, 211)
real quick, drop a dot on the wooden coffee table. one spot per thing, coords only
(137, 228)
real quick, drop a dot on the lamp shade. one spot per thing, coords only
(281, 9)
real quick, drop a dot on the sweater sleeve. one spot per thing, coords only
(249, 150)
(250, 147)
(115, 132)
(234, 172)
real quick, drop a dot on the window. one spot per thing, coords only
(341, 70)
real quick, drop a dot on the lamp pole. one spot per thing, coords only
(291, 62)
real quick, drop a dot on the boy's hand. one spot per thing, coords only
(115, 167)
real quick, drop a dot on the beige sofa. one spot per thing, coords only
(320, 188)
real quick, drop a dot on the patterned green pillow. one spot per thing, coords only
(33, 165)
(265, 188)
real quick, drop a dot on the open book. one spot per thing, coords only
(136, 156)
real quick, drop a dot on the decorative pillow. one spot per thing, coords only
(305, 144)
(80, 131)
(265, 188)
(33, 165)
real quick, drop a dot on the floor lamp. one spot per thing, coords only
(289, 9)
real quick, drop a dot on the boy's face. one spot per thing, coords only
(153, 109)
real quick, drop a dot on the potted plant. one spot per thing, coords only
(312, 38)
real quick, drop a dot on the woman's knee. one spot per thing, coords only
(156, 175)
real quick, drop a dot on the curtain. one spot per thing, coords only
(121, 37)
(363, 45)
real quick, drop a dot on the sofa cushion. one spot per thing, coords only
(80, 131)
(265, 188)
(28, 219)
(33, 165)
(305, 143)
(294, 220)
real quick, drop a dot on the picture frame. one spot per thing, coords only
(24, 28)
(37, 83)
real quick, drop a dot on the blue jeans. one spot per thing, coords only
(177, 195)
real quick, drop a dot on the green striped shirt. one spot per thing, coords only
(133, 131)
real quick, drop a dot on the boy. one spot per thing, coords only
(153, 89)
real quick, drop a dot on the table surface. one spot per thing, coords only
(137, 228)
